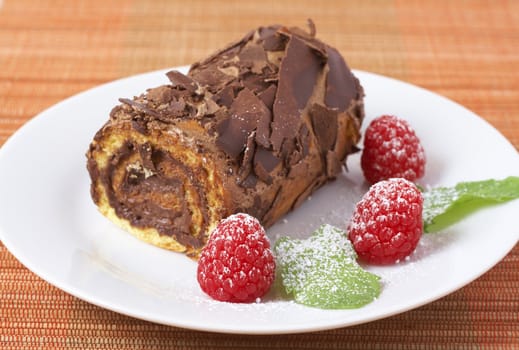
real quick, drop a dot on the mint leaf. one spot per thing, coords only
(444, 206)
(322, 271)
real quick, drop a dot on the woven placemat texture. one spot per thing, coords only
(465, 50)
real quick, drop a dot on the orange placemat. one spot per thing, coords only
(36, 315)
(466, 50)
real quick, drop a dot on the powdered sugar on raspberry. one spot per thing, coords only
(392, 149)
(236, 264)
(387, 223)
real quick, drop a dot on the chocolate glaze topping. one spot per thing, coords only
(270, 77)
(280, 111)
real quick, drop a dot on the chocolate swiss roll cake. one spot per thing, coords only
(255, 128)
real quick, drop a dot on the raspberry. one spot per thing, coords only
(391, 149)
(237, 264)
(387, 222)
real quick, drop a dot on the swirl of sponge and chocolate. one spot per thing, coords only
(255, 128)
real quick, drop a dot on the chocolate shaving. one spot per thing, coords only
(311, 26)
(160, 95)
(341, 85)
(255, 56)
(139, 125)
(180, 80)
(176, 107)
(225, 96)
(324, 124)
(248, 154)
(266, 159)
(214, 80)
(272, 41)
(268, 95)
(297, 78)
(140, 107)
(246, 111)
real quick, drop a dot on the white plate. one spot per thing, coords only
(49, 223)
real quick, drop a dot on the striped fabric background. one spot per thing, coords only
(465, 50)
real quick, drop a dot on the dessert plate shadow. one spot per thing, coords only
(49, 223)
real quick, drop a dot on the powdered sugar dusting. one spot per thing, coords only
(322, 271)
(322, 248)
(437, 201)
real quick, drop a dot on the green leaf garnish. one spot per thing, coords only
(444, 206)
(322, 271)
